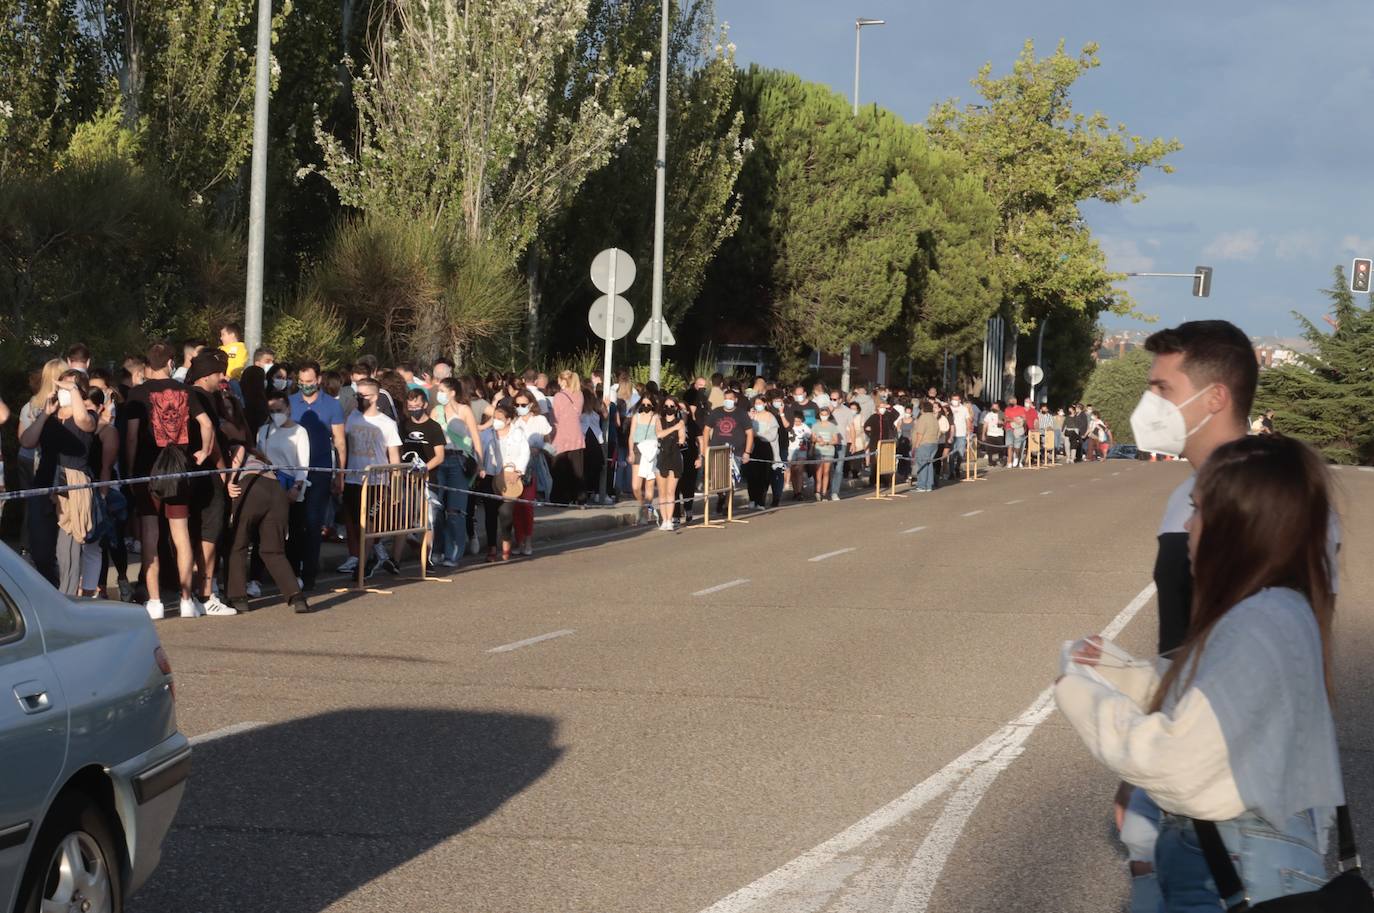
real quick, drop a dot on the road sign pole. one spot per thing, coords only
(610, 324)
(257, 193)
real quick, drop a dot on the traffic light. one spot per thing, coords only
(1359, 274)
(1202, 281)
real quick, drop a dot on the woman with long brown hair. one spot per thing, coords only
(1237, 729)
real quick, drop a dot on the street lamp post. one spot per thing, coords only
(257, 203)
(660, 179)
(858, 33)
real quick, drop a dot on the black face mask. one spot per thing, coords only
(362, 403)
(417, 414)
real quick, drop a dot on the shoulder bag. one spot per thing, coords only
(1348, 892)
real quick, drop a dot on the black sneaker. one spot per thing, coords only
(299, 604)
(390, 567)
(371, 567)
(241, 606)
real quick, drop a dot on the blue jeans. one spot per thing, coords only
(451, 533)
(318, 496)
(925, 466)
(956, 457)
(837, 470)
(1272, 862)
(1140, 833)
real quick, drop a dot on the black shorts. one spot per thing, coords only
(353, 502)
(209, 509)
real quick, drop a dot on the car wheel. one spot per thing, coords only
(75, 865)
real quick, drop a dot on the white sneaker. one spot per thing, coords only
(666, 526)
(191, 608)
(449, 562)
(300, 584)
(214, 607)
(527, 548)
(349, 566)
(834, 497)
(474, 546)
(155, 609)
(254, 590)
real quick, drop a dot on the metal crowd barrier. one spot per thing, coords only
(394, 503)
(718, 479)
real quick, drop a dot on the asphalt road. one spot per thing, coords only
(836, 707)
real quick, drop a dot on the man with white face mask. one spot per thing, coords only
(1201, 386)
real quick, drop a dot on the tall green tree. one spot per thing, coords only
(854, 229)
(1327, 398)
(1040, 159)
(49, 82)
(185, 70)
(615, 206)
(1114, 389)
(455, 126)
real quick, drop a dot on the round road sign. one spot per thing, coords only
(622, 315)
(624, 272)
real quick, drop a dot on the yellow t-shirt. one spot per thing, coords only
(238, 358)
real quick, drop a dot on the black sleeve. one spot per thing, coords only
(1174, 581)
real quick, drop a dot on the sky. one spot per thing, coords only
(1272, 101)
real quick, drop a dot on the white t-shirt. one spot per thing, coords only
(536, 428)
(368, 436)
(992, 424)
(961, 417)
(286, 447)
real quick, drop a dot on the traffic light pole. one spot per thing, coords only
(1201, 276)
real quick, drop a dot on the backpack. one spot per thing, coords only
(168, 472)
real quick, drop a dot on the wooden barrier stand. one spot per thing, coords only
(395, 502)
(718, 480)
(971, 460)
(886, 456)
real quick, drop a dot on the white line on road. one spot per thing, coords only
(977, 768)
(1367, 469)
(838, 551)
(721, 586)
(235, 729)
(972, 513)
(1098, 479)
(1116, 473)
(506, 648)
(914, 529)
(1017, 501)
(1050, 492)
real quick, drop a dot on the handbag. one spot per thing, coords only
(1348, 892)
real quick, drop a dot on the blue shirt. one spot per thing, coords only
(318, 419)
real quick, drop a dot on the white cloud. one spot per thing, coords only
(1124, 255)
(1234, 245)
(1297, 245)
(1356, 245)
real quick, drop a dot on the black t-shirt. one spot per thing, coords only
(729, 427)
(61, 443)
(881, 426)
(808, 412)
(418, 440)
(206, 405)
(165, 411)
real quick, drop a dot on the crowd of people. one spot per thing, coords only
(252, 464)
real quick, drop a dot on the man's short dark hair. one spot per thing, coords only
(159, 354)
(717, 379)
(309, 365)
(260, 351)
(78, 352)
(235, 329)
(1214, 352)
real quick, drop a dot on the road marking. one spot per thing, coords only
(1116, 473)
(1017, 501)
(914, 529)
(1050, 492)
(226, 731)
(1367, 469)
(977, 768)
(1097, 479)
(506, 648)
(972, 513)
(840, 551)
(721, 586)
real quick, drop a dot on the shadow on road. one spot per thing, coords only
(297, 815)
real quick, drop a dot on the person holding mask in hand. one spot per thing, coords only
(506, 459)
(61, 433)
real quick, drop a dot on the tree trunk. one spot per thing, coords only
(1009, 359)
(131, 75)
(536, 299)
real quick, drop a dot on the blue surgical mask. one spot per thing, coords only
(442, 397)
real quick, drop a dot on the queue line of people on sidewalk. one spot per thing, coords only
(499, 443)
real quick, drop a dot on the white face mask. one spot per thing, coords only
(64, 398)
(281, 383)
(441, 398)
(1159, 425)
(179, 374)
(498, 423)
(758, 407)
(279, 418)
(267, 365)
(777, 404)
(800, 397)
(729, 405)
(522, 410)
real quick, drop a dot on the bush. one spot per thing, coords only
(1114, 388)
(309, 330)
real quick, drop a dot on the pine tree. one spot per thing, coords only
(1327, 398)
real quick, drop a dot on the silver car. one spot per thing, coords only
(92, 767)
